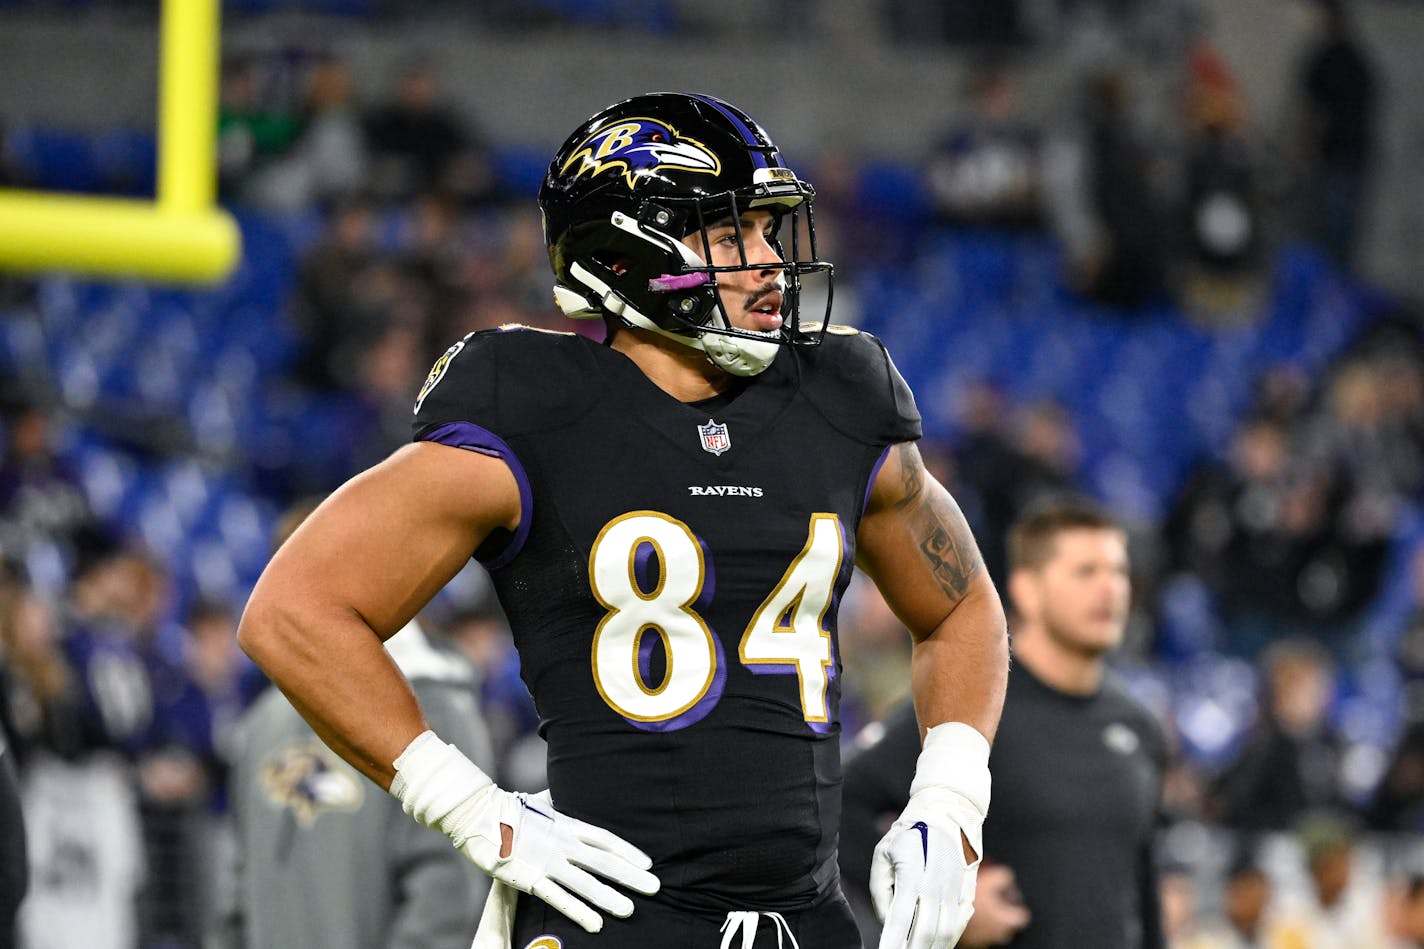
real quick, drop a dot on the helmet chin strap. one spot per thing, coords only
(736, 355)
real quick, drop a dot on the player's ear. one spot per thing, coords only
(1024, 592)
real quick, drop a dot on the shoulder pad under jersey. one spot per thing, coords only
(851, 379)
(510, 381)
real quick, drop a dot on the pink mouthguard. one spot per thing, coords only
(671, 282)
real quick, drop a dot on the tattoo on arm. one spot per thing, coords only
(912, 475)
(943, 534)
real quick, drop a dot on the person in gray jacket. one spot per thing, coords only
(324, 859)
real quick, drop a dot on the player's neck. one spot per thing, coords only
(1066, 670)
(680, 371)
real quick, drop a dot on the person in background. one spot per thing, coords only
(43, 507)
(96, 718)
(1341, 93)
(1292, 761)
(253, 131)
(1221, 204)
(327, 159)
(1078, 762)
(419, 144)
(14, 866)
(218, 694)
(14, 859)
(1398, 800)
(1241, 921)
(1009, 457)
(1343, 905)
(324, 862)
(1100, 184)
(335, 309)
(985, 171)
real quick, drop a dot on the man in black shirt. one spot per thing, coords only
(14, 859)
(1077, 762)
(1341, 92)
(14, 871)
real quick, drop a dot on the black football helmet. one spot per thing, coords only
(639, 176)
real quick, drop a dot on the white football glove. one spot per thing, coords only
(551, 856)
(922, 887)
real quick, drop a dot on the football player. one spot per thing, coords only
(670, 520)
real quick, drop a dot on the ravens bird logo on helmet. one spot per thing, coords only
(640, 146)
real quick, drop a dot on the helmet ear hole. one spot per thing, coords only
(692, 309)
(663, 218)
(620, 264)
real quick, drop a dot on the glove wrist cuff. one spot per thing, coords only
(955, 757)
(433, 778)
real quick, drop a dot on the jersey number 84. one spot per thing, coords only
(650, 572)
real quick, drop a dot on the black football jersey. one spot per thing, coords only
(672, 589)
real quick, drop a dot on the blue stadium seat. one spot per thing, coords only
(106, 475)
(1188, 623)
(1398, 597)
(55, 159)
(127, 161)
(1214, 705)
(893, 190)
(519, 171)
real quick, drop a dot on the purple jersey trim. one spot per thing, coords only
(471, 437)
(874, 473)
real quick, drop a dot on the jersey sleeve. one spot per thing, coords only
(856, 386)
(509, 381)
(460, 387)
(494, 386)
(459, 406)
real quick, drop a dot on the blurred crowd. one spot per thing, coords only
(123, 694)
(1162, 184)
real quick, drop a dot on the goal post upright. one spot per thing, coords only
(180, 236)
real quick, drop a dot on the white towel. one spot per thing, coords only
(497, 922)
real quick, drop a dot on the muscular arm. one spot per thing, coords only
(914, 543)
(353, 574)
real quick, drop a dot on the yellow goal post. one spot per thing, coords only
(181, 235)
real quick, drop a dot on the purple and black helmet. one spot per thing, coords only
(640, 175)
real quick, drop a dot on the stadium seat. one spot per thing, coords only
(519, 172)
(54, 159)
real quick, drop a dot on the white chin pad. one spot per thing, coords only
(739, 355)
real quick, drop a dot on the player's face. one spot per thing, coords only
(1084, 590)
(753, 297)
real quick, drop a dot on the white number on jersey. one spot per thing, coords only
(785, 634)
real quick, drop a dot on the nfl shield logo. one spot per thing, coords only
(714, 437)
